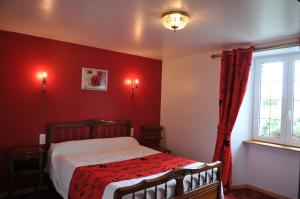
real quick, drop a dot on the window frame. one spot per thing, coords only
(290, 140)
(288, 60)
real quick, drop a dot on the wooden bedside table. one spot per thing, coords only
(151, 135)
(26, 161)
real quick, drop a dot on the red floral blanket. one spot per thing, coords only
(90, 181)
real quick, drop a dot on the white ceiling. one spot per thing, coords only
(133, 26)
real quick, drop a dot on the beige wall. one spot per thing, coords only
(189, 106)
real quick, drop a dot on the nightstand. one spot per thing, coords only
(25, 161)
(151, 135)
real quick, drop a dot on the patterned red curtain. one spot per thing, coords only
(235, 67)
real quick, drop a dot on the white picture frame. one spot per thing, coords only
(94, 79)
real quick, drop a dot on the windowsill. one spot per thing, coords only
(278, 146)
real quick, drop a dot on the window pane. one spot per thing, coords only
(296, 88)
(265, 108)
(296, 128)
(276, 89)
(264, 130)
(266, 89)
(296, 115)
(296, 119)
(272, 71)
(271, 99)
(270, 107)
(276, 109)
(274, 128)
(297, 70)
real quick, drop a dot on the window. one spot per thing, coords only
(276, 115)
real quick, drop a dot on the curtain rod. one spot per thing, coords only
(258, 49)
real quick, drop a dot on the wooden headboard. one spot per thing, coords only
(88, 129)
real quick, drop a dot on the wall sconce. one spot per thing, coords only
(43, 77)
(44, 80)
(134, 85)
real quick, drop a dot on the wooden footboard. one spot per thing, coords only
(203, 182)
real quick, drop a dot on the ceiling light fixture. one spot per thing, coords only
(175, 20)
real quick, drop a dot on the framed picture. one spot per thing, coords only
(94, 79)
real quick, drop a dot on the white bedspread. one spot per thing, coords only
(61, 166)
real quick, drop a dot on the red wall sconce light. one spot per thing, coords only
(134, 85)
(43, 76)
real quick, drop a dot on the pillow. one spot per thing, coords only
(79, 146)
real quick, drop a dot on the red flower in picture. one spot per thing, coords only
(95, 80)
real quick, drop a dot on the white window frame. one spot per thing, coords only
(290, 140)
(286, 137)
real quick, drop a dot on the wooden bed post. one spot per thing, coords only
(219, 177)
(179, 185)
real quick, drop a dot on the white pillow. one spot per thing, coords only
(79, 146)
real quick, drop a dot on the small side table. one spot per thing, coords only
(151, 135)
(26, 161)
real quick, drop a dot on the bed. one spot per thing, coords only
(99, 159)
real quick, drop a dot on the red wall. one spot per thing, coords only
(25, 110)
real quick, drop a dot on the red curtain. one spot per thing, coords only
(235, 67)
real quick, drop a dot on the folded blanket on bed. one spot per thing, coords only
(90, 181)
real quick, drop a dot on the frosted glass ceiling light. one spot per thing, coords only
(175, 20)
